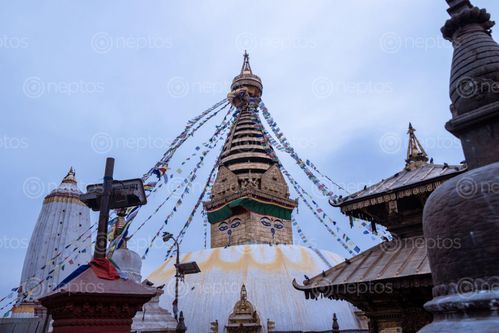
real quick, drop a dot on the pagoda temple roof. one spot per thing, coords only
(418, 176)
(399, 184)
(384, 262)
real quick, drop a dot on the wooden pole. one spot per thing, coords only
(101, 242)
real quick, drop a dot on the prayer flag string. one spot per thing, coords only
(345, 241)
(290, 150)
(161, 170)
(182, 232)
(196, 206)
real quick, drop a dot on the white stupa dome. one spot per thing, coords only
(268, 272)
(129, 263)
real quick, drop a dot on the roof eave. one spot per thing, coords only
(398, 189)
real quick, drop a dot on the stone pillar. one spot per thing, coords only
(465, 209)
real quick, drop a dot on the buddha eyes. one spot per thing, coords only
(265, 221)
(268, 223)
(223, 226)
(235, 223)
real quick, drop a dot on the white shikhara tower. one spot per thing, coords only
(63, 227)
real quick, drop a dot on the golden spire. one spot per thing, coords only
(70, 177)
(246, 68)
(416, 154)
(244, 293)
(246, 80)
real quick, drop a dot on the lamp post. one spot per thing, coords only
(166, 237)
(180, 271)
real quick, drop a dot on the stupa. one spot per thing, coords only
(252, 240)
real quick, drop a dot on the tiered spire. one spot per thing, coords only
(250, 201)
(415, 151)
(246, 152)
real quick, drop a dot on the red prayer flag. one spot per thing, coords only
(104, 269)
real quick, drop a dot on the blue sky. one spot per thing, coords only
(342, 79)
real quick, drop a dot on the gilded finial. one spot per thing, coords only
(244, 293)
(246, 68)
(416, 155)
(70, 177)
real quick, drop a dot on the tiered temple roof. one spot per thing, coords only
(419, 177)
(390, 281)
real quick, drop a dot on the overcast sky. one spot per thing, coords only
(341, 78)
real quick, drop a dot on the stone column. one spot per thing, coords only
(465, 209)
